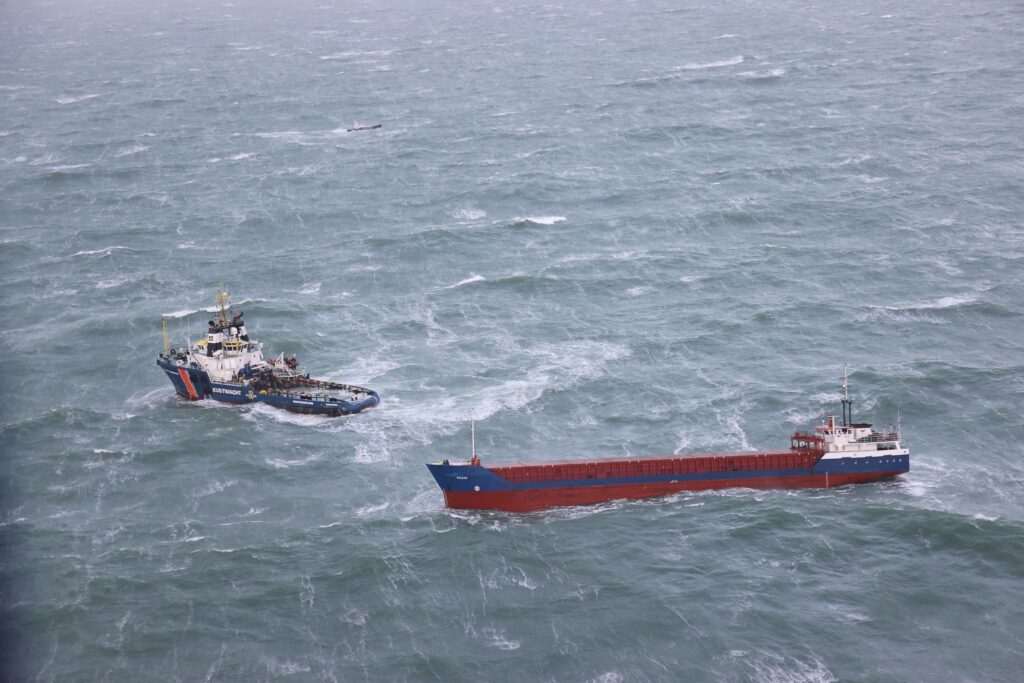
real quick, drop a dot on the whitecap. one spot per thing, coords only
(258, 412)
(732, 61)
(208, 309)
(107, 251)
(468, 214)
(282, 464)
(67, 99)
(215, 487)
(472, 278)
(128, 151)
(915, 486)
(346, 55)
(950, 301)
(354, 616)
(785, 669)
(367, 454)
(371, 509)
(543, 220)
(177, 314)
(496, 638)
(108, 284)
(763, 75)
(362, 369)
(803, 417)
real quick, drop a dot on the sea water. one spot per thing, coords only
(598, 229)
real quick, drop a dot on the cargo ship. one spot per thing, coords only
(227, 365)
(835, 453)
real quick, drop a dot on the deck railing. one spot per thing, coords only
(875, 437)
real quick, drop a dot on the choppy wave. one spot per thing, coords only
(469, 280)
(106, 251)
(129, 150)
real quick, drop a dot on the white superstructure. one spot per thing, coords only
(226, 362)
(858, 440)
(226, 349)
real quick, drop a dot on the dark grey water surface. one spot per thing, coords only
(599, 229)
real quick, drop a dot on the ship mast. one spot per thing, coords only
(847, 403)
(222, 300)
(167, 340)
(473, 460)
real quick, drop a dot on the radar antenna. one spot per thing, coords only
(847, 403)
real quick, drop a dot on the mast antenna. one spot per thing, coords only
(473, 460)
(222, 299)
(167, 340)
(847, 403)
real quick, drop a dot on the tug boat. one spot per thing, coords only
(228, 366)
(834, 454)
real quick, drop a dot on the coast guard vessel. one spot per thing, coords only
(834, 454)
(228, 366)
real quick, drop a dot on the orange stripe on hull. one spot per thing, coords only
(192, 393)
